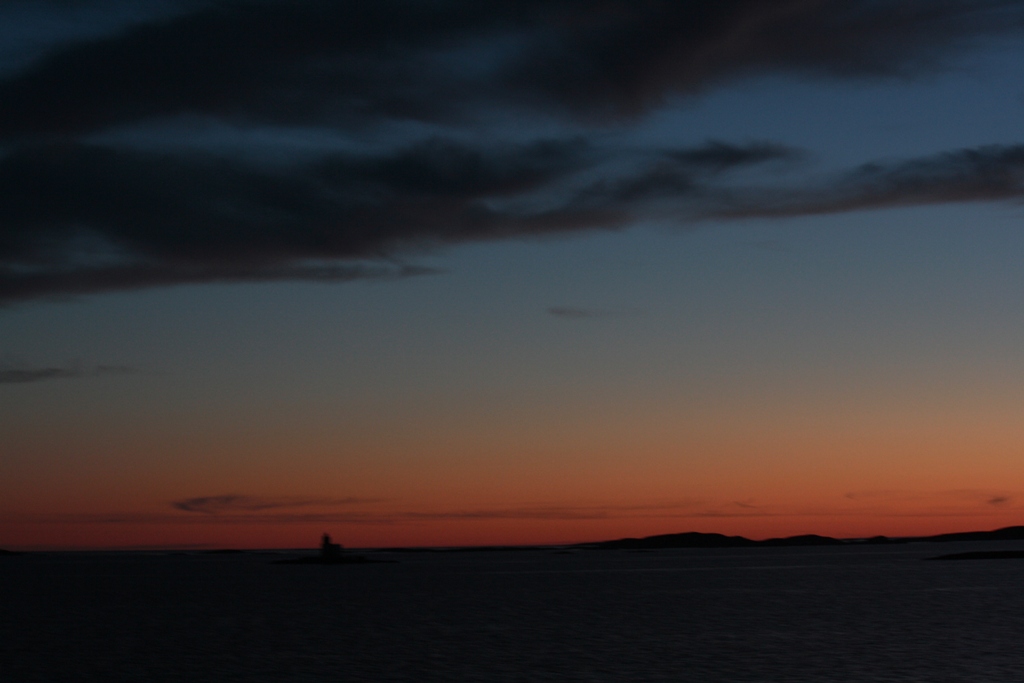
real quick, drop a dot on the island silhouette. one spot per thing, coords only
(695, 539)
(699, 540)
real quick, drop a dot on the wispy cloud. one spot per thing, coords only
(216, 505)
(989, 173)
(245, 509)
(938, 503)
(26, 375)
(578, 313)
(233, 510)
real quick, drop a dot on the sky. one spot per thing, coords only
(445, 272)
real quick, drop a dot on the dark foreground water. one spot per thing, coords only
(760, 614)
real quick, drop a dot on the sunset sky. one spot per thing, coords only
(446, 272)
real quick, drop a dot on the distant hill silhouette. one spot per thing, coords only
(1010, 533)
(806, 539)
(693, 539)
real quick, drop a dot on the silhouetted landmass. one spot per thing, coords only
(695, 539)
(804, 540)
(983, 555)
(1010, 533)
(691, 539)
(223, 551)
(883, 540)
(8, 552)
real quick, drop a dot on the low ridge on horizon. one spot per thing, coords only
(686, 539)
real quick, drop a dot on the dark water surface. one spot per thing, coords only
(760, 614)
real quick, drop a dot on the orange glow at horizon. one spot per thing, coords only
(768, 470)
(857, 515)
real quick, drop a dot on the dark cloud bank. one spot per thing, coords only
(82, 212)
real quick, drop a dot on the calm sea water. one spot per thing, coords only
(785, 614)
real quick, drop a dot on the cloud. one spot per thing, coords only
(675, 174)
(23, 376)
(78, 218)
(286, 510)
(216, 505)
(347, 62)
(716, 155)
(114, 370)
(988, 173)
(244, 509)
(621, 58)
(27, 375)
(236, 508)
(922, 503)
(86, 207)
(575, 313)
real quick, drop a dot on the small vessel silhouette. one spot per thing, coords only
(329, 550)
(330, 553)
